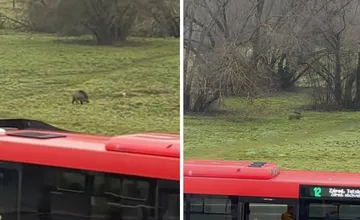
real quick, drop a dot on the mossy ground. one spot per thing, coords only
(38, 74)
(261, 131)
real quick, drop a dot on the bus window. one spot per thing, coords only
(169, 200)
(134, 193)
(196, 204)
(122, 197)
(99, 184)
(112, 185)
(349, 211)
(66, 185)
(9, 190)
(266, 211)
(72, 181)
(341, 211)
(127, 188)
(99, 200)
(65, 179)
(321, 210)
(203, 207)
(135, 189)
(217, 205)
(184, 204)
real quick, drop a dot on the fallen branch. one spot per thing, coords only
(12, 19)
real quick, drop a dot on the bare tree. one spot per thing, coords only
(234, 44)
(109, 21)
(166, 13)
(246, 48)
(337, 65)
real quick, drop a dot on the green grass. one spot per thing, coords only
(261, 131)
(40, 72)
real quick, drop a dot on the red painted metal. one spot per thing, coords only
(284, 185)
(97, 153)
(151, 144)
(229, 169)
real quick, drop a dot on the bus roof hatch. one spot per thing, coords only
(150, 144)
(231, 169)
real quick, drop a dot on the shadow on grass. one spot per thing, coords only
(234, 116)
(72, 41)
(203, 115)
(154, 91)
(89, 41)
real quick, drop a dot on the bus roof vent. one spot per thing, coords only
(27, 124)
(257, 164)
(150, 144)
(231, 169)
(36, 135)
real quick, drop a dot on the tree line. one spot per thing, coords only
(249, 48)
(109, 21)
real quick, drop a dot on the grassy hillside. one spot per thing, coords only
(261, 131)
(40, 72)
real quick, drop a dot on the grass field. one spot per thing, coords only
(40, 72)
(261, 131)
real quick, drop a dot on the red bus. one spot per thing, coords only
(235, 190)
(49, 173)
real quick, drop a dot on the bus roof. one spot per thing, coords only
(149, 154)
(284, 184)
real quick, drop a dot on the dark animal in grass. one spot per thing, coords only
(295, 116)
(80, 96)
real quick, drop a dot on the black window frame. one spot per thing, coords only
(89, 187)
(163, 189)
(205, 197)
(58, 174)
(107, 179)
(306, 202)
(241, 202)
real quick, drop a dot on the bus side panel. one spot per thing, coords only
(240, 187)
(70, 194)
(97, 160)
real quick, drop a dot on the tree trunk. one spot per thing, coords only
(337, 77)
(348, 102)
(187, 82)
(357, 83)
(203, 101)
(256, 39)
